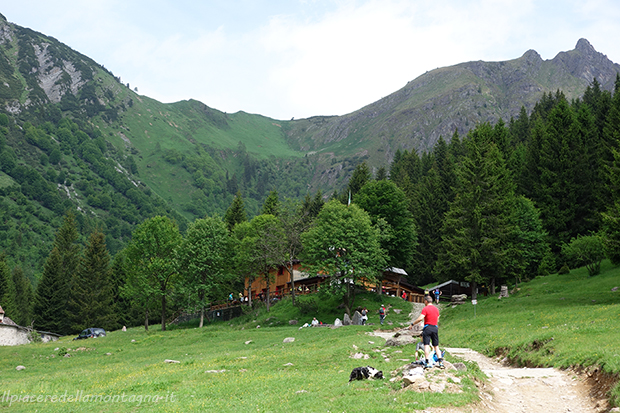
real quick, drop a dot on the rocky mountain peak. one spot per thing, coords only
(532, 56)
(584, 46)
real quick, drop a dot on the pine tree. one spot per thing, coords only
(51, 311)
(91, 301)
(24, 297)
(235, 213)
(429, 208)
(478, 223)
(272, 204)
(361, 175)
(562, 185)
(7, 289)
(50, 304)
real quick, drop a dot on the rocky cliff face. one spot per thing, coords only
(451, 99)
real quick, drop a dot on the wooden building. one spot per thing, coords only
(394, 283)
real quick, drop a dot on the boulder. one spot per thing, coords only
(459, 298)
(409, 380)
(171, 361)
(503, 292)
(346, 320)
(292, 322)
(288, 340)
(357, 319)
(337, 323)
(18, 368)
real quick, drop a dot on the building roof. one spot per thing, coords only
(396, 270)
(444, 284)
(7, 321)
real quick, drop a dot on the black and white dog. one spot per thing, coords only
(360, 373)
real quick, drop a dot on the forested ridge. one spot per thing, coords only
(90, 171)
(504, 203)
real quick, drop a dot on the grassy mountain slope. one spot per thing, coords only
(186, 159)
(452, 98)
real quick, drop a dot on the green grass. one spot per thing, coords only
(558, 320)
(256, 376)
(550, 321)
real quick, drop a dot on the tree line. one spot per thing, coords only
(504, 203)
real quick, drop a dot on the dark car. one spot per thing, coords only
(91, 333)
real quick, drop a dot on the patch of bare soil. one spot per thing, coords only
(524, 390)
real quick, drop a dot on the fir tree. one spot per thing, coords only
(91, 301)
(235, 213)
(7, 289)
(477, 224)
(272, 204)
(51, 311)
(361, 175)
(24, 297)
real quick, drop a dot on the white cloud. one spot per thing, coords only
(310, 57)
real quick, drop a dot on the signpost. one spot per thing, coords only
(474, 302)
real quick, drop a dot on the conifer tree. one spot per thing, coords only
(520, 128)
(272, 204)
(562, 185)
(361, 175)
(7, 289)
(24, 297)
(50, 306)
(127, 314)
(51, 311)
(381, 174)
(235, 213)
(478, 223)
(429, 208)
(91, 301)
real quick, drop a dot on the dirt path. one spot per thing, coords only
(522, 390)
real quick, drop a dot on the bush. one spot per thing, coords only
(307, 304)
(585, 250)
(564, 270)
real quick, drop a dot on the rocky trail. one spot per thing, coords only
(524, 390)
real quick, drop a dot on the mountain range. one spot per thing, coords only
(194, 158)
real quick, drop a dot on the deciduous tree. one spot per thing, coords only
(152, 258)
(344, 245)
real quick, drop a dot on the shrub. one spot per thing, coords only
(307, 304)
(585, 250)
(564, 270)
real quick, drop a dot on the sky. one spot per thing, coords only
(299, 58)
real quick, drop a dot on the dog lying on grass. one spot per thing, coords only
(360, 373)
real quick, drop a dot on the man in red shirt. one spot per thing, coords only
(430, 317)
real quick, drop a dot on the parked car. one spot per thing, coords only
(91, 333)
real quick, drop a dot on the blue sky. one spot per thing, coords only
(302, 58)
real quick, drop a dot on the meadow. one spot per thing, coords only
(559, 320)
